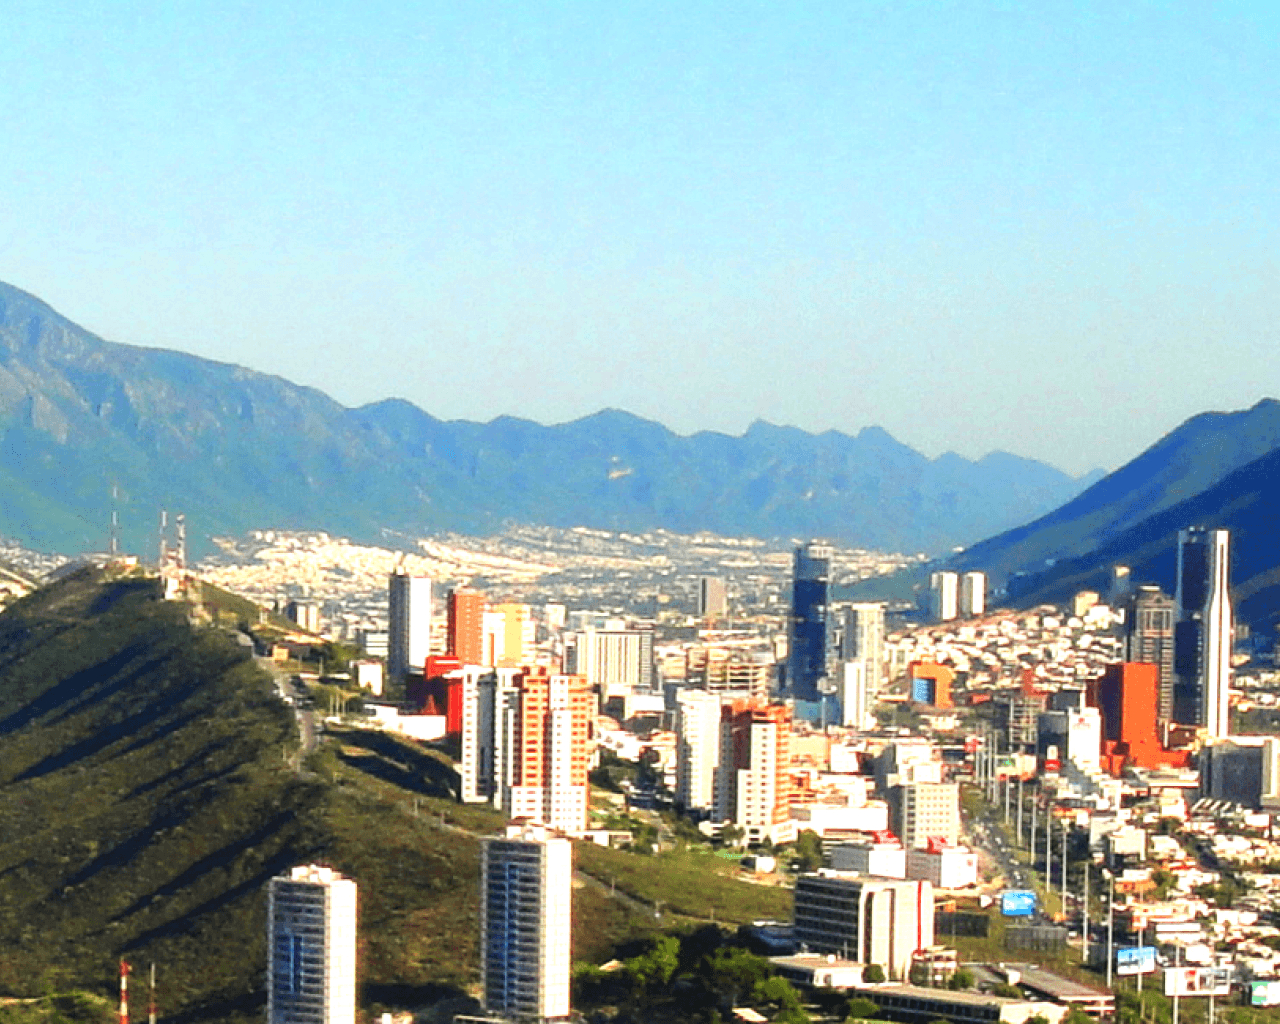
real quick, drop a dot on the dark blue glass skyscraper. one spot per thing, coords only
(810, 634)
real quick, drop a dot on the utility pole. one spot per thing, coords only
(1064, 865)
(1111, 925)
(1019, 810)
(1035, 806)
(1084, 931)
(1007, 784)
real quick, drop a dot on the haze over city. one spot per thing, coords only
(981, 227)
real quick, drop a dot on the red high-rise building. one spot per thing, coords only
(465, 629)
(1128, 697)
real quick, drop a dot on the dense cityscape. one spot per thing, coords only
(909, 773)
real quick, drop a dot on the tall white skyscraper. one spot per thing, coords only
(861, 643)
(1203, 634)
(697, 748)
(973, 594)
(944, 596)
(856, 700)
(526, 901)
(311, 963)
(409, 630)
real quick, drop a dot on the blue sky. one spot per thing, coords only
(1048, 228)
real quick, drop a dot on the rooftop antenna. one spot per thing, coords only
(164, 539)
(182, 543)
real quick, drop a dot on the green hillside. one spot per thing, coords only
(149, 788)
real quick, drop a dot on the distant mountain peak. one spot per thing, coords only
(238, 450)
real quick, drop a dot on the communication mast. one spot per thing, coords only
(124, 993)
(113, 541)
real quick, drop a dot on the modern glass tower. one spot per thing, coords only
(1203, 635)
(810, 636)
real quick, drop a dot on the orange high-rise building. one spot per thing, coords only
(465, 630)
(754, 784)
(547, 749)
(1128, 697)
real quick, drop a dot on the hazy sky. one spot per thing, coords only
(1043, 227)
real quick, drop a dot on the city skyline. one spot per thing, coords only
(825, 217)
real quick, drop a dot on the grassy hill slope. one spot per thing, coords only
(149, 788)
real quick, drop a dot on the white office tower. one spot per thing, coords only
(923, 811)
(973, 594)
(311, 965)
(1203, 634)
(409, 629)
(526, 900)
(944, 596)
(697, 749)
(870, 920)
(475, 760)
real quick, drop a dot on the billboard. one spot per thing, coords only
(1197, 981)
(1017, 903)
(1264, 993)
(1136, 960)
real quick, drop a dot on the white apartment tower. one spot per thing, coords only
(862, 653)
(311, 963)
(1203, 634)
(616, 660)
(697, 749)
(526, 900)
(973, 594)
(409, 629)
(944, 596)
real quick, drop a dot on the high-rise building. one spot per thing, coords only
(1203, 635)
(713, 597)
(697, 749)
(753, 783)
(409, 629)
(526, 903)
(944, 596)
(729, 670)
(617, 660)
(464, 636)
(1126, 697)
(311, 962)
(871, 920)
(862, 641)
(855, 696)
(509, 635)
(811, 639)
(1150, 616)
(973, 594)
(542, 737)
(920, 811)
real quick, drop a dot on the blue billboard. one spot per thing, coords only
(1018, 903)
(1136, 960)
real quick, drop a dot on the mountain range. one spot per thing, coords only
(234, 449)
(1216, 470)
